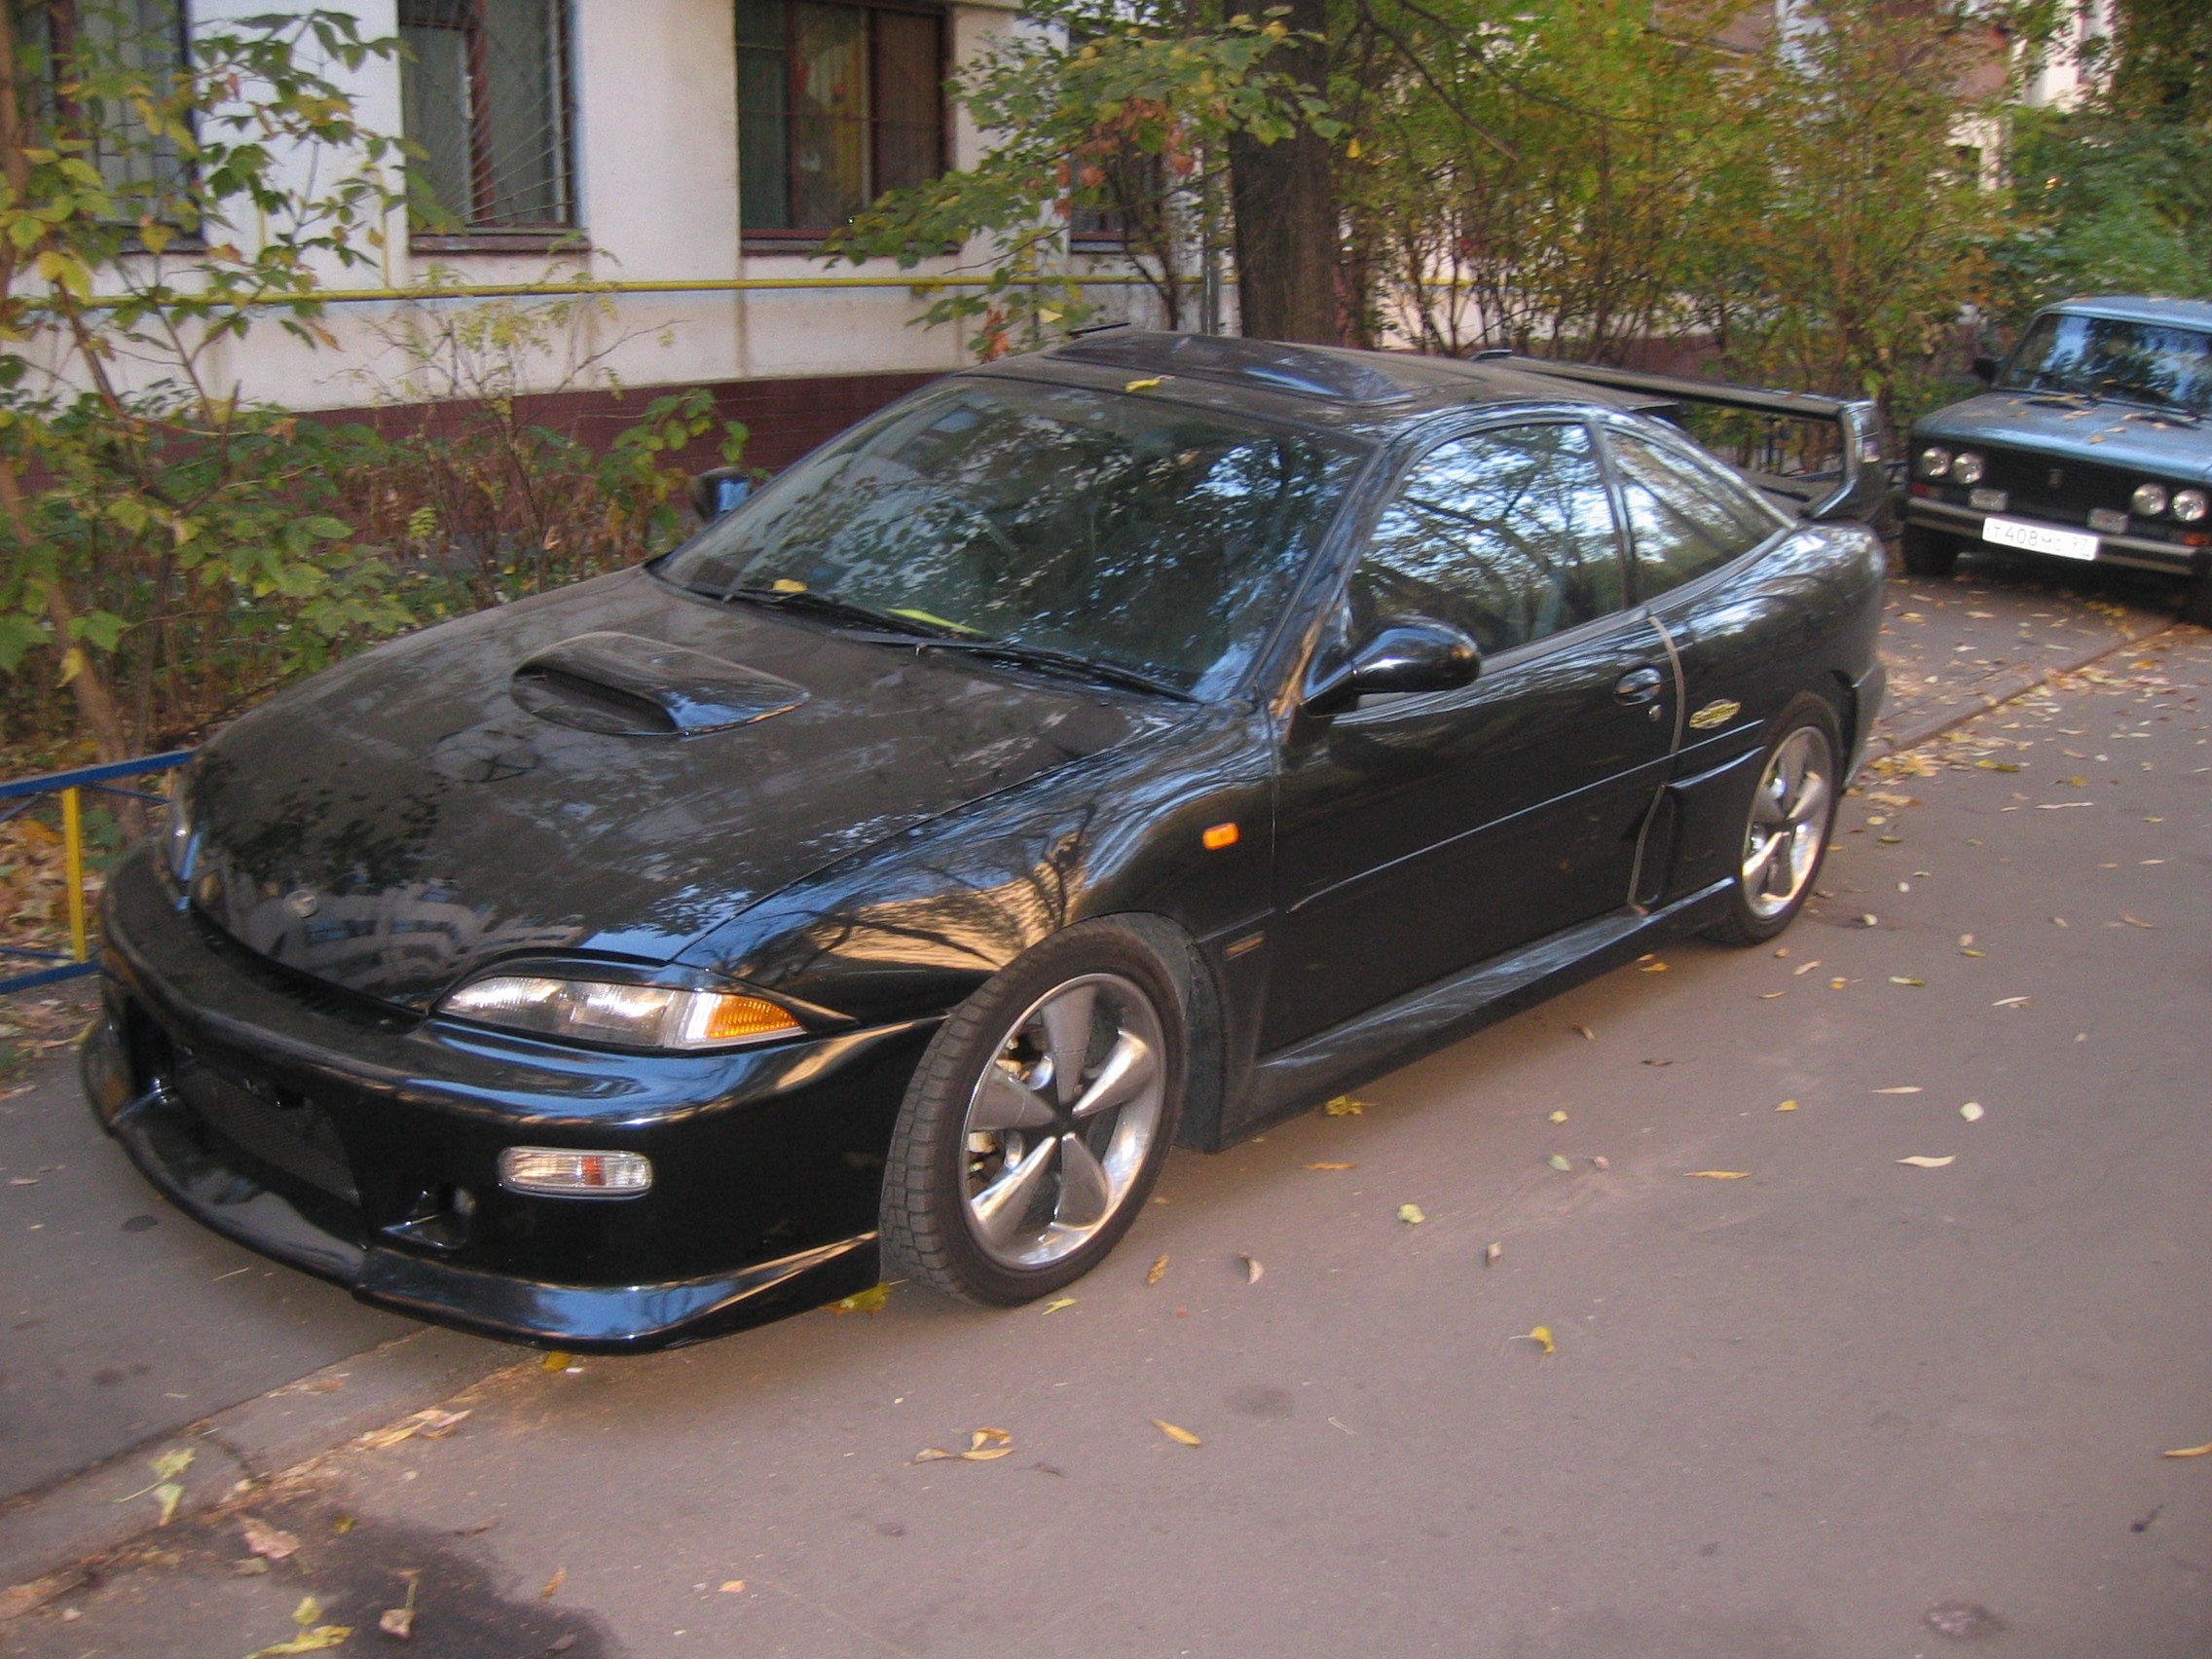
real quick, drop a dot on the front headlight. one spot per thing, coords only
(1967, 468)
(633, 1016)
(2149, 500)
(177, 839)
(1935, 461)
(2190, 505)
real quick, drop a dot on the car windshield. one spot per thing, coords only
(2099, 356)
(1125, 530)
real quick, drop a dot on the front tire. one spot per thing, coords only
(1038, 1120)
(1927, 553)
(1787, 827)
(2196, 599)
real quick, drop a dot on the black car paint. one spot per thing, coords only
(2057, 458)
(869, 856)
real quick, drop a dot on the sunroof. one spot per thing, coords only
(1302, 371)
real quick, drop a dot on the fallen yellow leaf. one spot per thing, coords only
(1587, 1032)
(1654, 967)
(1252, 1268)
(2191, 1451)
(1332, 1167)
(263, 1539)
(732, 1586)
(1142, 385)
(1557, 1118)
(1717, 1174)
(1920, 1161)
(1411, 1214)
(2133, 923)
(1787, 1106)
(1344, 1106)
(985, 1444)
(553, 1584)
(397, 1622)
(868, 1301)
(1972, 1112)
(1157, 1271)
(1907, 1089)
(1057, 1303)
(169, 1494)
(1541, 1335)
(1491, 1255)
(554, 1362)
(1805, 968)
(1181, 1436)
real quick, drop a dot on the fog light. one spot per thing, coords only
(555, 1172)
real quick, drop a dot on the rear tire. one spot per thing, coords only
(1038, 1120)
(1786, 825)
(1927, 553)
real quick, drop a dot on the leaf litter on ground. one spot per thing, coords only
(1920, 1160)
(1252, 1268)
(1411, 1214)
(1344, 1106)
(1157, 1271)
(1181, 1436)
(983, 1446)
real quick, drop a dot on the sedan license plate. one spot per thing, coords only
(2039, 539)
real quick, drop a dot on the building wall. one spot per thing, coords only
(653, 85)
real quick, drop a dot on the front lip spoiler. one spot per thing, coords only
(158, 1135)
(2137, 551)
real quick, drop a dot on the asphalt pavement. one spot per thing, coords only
(1810, 1401)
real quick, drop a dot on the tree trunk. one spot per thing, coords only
(1286, 212)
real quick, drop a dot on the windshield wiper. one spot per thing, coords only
(823, 604)
(1041, 657)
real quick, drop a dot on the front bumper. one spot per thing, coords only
(361, 1144)
(2137, 551)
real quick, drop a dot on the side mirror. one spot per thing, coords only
(1985, 370)
(715, 492)
(1407, 654)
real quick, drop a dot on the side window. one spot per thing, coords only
(1682, 521)
(1507, 534)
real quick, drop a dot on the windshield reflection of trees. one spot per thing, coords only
(2105, 357)
(1139, 532)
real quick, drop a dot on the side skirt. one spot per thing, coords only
(1438, 1015)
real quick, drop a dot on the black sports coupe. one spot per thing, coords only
(2091, 444)
(1126, 744)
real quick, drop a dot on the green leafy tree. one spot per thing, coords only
(155, 204)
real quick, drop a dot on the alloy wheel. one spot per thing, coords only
(1789, 823)
(1059, 1124)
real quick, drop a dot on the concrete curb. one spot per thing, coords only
(46, 1535)
(1912, 736)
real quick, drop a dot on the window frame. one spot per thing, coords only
(59, 22)
(564, 235)
(806, 239)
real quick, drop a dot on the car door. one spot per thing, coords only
(1421, 833)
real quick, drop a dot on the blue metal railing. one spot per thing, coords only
(24, 794)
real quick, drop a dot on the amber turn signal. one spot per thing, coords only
(1219, 836)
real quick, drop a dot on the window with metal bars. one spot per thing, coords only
(484, 90)
(72, 41)
(837, 104)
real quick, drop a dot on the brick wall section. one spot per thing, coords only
(786, 418)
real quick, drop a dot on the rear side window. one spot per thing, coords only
(1682, 520)
(1506, 533)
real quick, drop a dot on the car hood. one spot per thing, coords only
(400, 820)
(2111, 435)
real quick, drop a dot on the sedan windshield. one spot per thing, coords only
(1127, 530)
(2132, 362)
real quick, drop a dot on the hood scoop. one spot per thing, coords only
(623, 685)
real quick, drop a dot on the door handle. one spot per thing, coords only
(1640, 685)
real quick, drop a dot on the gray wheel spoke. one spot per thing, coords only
(1066, 1018)
(1000, 1207)
(1788, 823)
(1003, 1102)
(1130, 1068)
(1087, 1195)
(1761, 860)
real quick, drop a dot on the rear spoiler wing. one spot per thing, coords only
(1855, 490)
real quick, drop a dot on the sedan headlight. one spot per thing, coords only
(177, 839)
(1935, 461)
(1966, 468)
(633, 1016)
(2147, 502)
(2190, 505)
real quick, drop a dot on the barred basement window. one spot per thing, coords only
(484, 88)
(837, 104)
